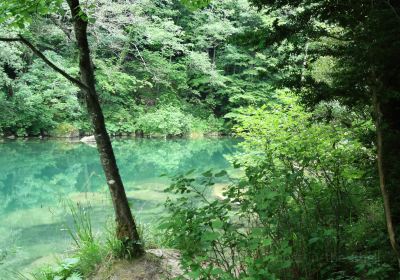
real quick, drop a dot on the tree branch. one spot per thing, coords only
(21, 39)
(396, 14)
(9, 39)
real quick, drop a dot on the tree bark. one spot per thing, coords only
(10, 92)
(383, 168)
(126, 227)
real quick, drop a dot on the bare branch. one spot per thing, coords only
(9, 39)
(21, 39)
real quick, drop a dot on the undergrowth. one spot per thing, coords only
(90, 249)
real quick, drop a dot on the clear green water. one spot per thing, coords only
(37, 176)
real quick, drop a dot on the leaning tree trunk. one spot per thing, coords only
(126, 227)
(387, 137)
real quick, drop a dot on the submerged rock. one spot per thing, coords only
(88, 139)
(219, 189)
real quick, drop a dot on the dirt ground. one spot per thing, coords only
(157, 264)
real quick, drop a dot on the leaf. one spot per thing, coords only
(74, 276)
(267, 242)
(216, 271)
(70, 262)
(313, 240)
(208, 173)
(210, 236)
(221, 173)
(271, 195)
(217, 224)
(190, 172)
(194, 274)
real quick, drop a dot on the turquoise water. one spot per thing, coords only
(38, 176)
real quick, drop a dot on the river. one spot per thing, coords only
(39, 177)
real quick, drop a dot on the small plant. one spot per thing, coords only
(114, 246)
(66, 269)
(81, 232)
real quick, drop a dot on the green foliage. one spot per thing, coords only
(42, 101)
(65, 130)
(165, 121)
(206, 126)
(65, 270)
(219, 240)
(19, 13)
(308, 206)
(299, 212)
(195, 4)
(169, 51)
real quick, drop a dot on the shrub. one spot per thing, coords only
(299, 212)
(65, 130)
(208, 125)
(165, 121)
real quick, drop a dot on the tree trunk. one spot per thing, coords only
(385, 169)
(126, 227)
(10, 91)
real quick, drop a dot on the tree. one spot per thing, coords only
(360, 39)
(126, 229)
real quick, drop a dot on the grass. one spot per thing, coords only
(90, 250)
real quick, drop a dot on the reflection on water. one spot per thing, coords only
(36, 175)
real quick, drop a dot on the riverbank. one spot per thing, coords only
(157, 264)
(78, 137)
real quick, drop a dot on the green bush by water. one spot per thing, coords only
(307, 207)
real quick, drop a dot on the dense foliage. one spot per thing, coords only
(309, 205)
(161, 68)
(307, 208)
(312, 88)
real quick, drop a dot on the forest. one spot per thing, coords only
(254, 139)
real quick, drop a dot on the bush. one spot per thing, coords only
(207, 126)
(120, 122)
(219, 240)
(165, 121)
(65, 130)
(300, 211)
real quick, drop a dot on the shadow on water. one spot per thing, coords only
(36, 175)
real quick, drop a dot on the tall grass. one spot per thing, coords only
(88, 251)
(91, 250)
(82, 231)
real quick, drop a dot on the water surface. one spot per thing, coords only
(38, 176)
